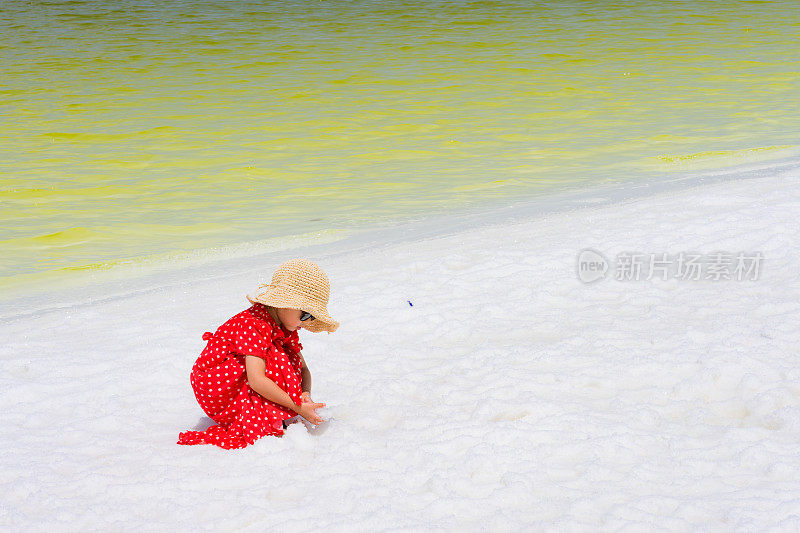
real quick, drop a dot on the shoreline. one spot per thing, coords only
(495, 374)
(152, 274)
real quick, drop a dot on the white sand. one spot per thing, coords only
(510, 396)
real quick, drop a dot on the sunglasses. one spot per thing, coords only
(306, 316)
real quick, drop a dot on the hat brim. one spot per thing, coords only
(281, 297)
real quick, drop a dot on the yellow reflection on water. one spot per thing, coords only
(133, 129)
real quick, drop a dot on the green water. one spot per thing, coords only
(137, 129)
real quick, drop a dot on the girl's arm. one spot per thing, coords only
(305, 382)
(257, 379)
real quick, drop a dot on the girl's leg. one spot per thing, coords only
(290, 421)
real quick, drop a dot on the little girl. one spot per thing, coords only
(251, 375)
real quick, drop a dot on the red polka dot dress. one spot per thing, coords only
(219, 380)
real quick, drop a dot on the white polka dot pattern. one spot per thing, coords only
(219, 380)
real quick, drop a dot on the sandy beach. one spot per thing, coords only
(562, 239)
(475, 383)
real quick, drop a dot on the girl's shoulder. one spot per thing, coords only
(252, 320)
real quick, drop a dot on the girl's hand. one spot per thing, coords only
(308, 410)
(306, 397)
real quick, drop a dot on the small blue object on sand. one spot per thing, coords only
(410, 304)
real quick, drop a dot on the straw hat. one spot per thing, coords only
(299, 284)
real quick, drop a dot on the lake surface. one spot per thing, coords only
(134, 132)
